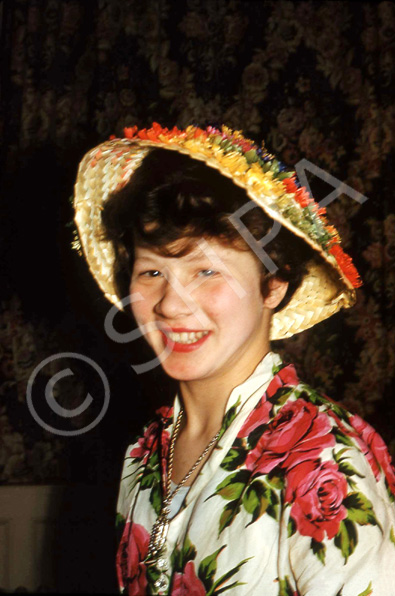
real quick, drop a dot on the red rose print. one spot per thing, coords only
(374, 449)
(316, 491)
(146, 443)
(132, 551)
(286, 377)
(298, 432)
(165, 412)
(187, 583)
(258, 416)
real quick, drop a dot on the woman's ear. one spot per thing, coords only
(277, 290)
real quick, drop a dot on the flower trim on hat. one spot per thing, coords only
(257, 169)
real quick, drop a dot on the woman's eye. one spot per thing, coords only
(207, 272)
(150, 273)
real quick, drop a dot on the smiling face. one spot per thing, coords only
(204, 309)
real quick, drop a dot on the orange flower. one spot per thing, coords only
(290, 185)
(130, 131)
(346, 265)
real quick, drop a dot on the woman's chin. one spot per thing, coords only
(182, 371)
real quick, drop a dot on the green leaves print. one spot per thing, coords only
(183, 563)
(150, 479)
(242, 489)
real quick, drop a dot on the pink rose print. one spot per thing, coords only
(165, 412)
(132, 551)
(286, 377)
(258, 416)
(146, 443)
(298, 432)
(187, 583)
(375, 450)
(316, 491)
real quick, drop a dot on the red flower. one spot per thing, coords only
(258, 416)
(346, 265)
(165, 412)
(297, 433)
(146, 443)
(316, 491)
(130, 131)
(375, 450)
(132, 551)
(290, 185)
(187, 583)
(286, 377)
(199, 132)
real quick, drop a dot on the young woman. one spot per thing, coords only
(252, 483)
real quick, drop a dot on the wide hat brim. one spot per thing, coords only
(106, 168)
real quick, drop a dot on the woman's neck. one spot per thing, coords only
(204, 400)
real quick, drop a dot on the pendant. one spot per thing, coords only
(158, 536)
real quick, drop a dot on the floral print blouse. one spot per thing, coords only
(297, 499)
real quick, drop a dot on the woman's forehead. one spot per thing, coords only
(191, 250)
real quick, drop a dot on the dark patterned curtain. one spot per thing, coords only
(314, 79)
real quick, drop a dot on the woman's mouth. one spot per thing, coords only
(184, 341)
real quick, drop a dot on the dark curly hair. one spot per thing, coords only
(173, 196)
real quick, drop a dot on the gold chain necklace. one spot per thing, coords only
(161, 526)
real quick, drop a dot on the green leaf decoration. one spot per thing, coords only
(188, 551)
(319, 549)
(338, 455)
(276, 368)
(360, 509)
(272, 510)
(251, 156)
(234, 458)
(153, 461)
(276, 479)
(347, 538)
(208, 568)
(230, 415)
(227, 588)
(156, 498)
(229, 513)
(255, 499)
(281, 396)
(255, 435)
(149, 478)
(291, 528)
(120, 523)
(348, 470)
(152, 574)
(392, 535)
(180, 556)
(234, 484)
(258, 498)
(341, 437)
(283, 175)
(368, 591)
(176, 560)
(218, 587)
(390, 492)
(286, 588)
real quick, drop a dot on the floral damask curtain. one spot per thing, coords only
(314, 79)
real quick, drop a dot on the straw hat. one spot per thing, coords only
(331, 280)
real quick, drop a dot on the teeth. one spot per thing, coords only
(186, 338)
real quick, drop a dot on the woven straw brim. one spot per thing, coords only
(106, 168)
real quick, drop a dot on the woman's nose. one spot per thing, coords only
(175, 301)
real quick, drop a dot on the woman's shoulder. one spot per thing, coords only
(306, 425)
